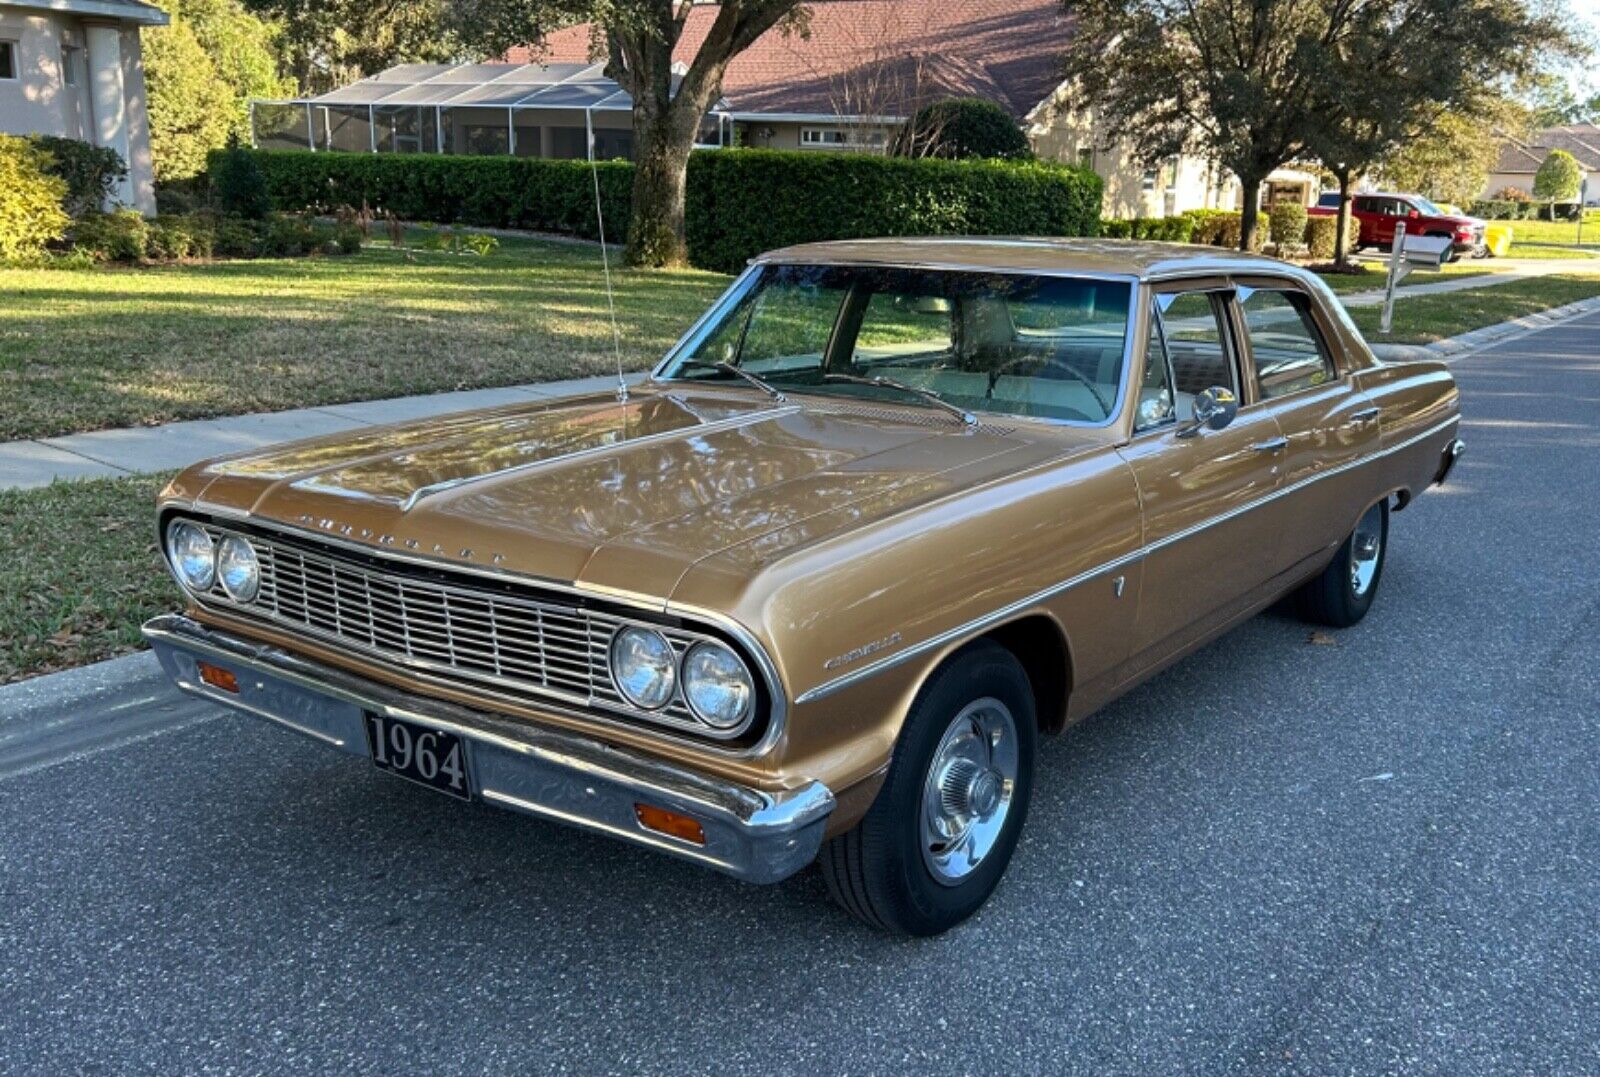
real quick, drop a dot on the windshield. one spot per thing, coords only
(1427, 207)
(1012, 344)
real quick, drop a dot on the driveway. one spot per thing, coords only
(1371, 852)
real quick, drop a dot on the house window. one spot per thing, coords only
(69, 64)
(838, 138)
(1086, 157)
(1149, 181)
(8, 59)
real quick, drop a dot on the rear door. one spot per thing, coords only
(1205, 554)
(1326, 422)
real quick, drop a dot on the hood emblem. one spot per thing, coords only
(366, 534)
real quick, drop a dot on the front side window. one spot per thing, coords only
(1002, 343)
(1156, 404)
(1284, 342)
(1192, 324)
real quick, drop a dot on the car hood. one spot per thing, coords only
(622, 496)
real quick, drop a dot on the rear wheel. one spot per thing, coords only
(935, 843)
(1343, 593)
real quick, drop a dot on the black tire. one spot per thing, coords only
(877, 870)
(1335, 598)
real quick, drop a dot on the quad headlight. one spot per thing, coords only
(644, 667)
(193, 555)
(717, 685)
(238, 568)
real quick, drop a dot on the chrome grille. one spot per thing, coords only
(453, 630)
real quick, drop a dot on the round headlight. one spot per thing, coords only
(717, 685)
(642, 663)
(238, 568)
(189, 547)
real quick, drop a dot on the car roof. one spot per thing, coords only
(1138, 259)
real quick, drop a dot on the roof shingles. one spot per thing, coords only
(876, 57)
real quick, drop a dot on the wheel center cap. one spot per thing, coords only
(983, 793)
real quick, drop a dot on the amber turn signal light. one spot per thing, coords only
(217, 677)
(670, 822)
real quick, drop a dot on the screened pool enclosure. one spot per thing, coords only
(527, 110)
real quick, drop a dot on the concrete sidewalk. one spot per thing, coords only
(135, 449)
(132, 450)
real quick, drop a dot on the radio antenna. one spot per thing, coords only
(605, 261)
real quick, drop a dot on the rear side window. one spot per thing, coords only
(1288, 350)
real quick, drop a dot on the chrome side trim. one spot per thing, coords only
(715, 619)
(988, 620)
(754, 834)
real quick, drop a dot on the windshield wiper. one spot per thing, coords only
(728, 368)
(927, 395)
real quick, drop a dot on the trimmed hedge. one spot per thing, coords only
(1288, 225)
(1321, 235)
(740, 202)
(1165, 229)
(127, 237)
(496, 192)
(1508, 209)
(1221, 227)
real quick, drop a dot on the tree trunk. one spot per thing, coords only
(1251, 188)
(1341, 232)
(663, 138)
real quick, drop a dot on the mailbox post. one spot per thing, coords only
(1406, 254)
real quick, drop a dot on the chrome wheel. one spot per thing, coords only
(1365, 546)
(968, 791)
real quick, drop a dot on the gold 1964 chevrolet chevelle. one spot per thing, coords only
(887, 514)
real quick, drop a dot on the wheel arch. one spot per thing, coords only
(1040, 645)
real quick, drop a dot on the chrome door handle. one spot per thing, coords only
(1365, 415)
(1271, 445)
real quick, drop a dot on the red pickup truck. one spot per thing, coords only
(1377, 214)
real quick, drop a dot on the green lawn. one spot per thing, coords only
(1564, 232)
(88, 349)
(1374, 274)
(1426, 318)
(79, 572)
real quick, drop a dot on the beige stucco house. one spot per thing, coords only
(72, 68)
(1520, 158)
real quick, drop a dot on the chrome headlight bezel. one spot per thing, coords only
(665, 680)
(235, 553)
(710, 659)
(202, 559)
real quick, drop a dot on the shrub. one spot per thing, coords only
(238, 184)
(234, 237)
(1513, 194)
(90, 172)
(740, 202)
(962, 127)
(1287, 223)
(1320, 236)
(349, 238)
(123, 236)
(191, 195)
(30, 199)
(1220, 227)
(187, 236)
(1178, 229)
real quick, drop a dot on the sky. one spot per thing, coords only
(1586, 77)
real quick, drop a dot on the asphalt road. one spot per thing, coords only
(1377, 855)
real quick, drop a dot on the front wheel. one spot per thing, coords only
(934, 844)
(1343, 593)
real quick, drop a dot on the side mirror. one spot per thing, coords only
(1413, 214)
(1214, 408)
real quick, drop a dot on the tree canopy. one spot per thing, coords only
(1558, 178)
(962, 127)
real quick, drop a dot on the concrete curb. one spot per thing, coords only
(1453, 347)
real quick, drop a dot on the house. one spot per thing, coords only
(1520, 158)
(72, 68)
(862, 67)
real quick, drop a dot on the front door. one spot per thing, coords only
(1205, 554)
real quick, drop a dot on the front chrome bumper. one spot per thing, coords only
(749, 833)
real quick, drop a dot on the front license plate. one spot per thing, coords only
(430, 757)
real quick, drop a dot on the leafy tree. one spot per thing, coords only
(1553, 104)
(1449, 162)
(637, 38)
(200, 72)
(1558, 179)
(962, 127)
(1234, 82)
(328, 43)
(1381, 92)
(191, 108)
